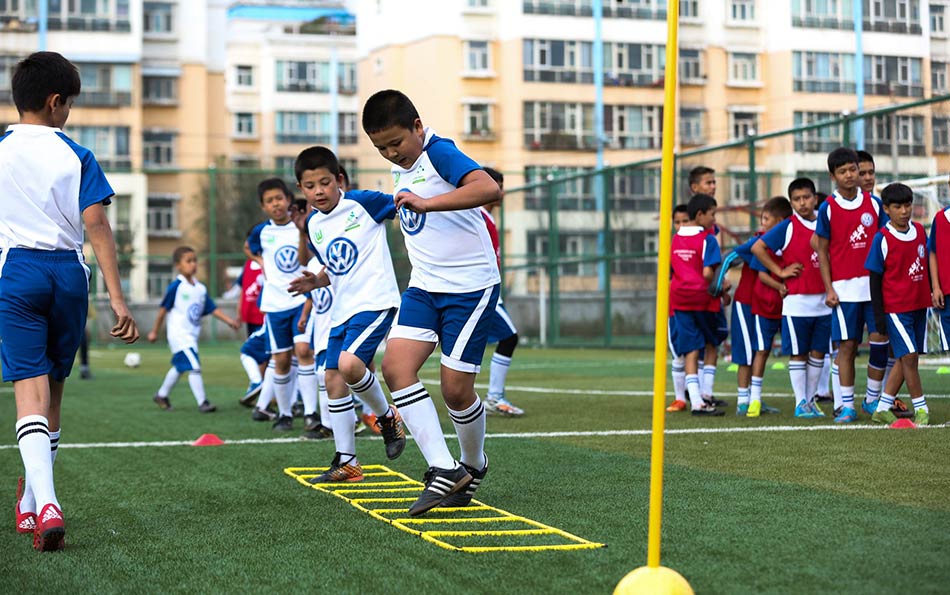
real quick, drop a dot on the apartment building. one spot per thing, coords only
(512, 82)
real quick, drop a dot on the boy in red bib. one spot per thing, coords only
(939, 247)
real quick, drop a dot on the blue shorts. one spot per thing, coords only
(907, 332)
(801, 334)
(722, 327)
(460, 321)
(765, 331)
(256, 345)
(848, 320)
(320, 360)
(501, 325)
(186, 360)
(307, 335)
(44, 300)
(281, 329)
(360, 336)
(944, 326)
(743, 327)
(693, 330)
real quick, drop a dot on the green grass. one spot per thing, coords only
(859, 511)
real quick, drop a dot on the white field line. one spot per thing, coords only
(502, 435)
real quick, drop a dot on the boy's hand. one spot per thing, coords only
(783, 291)
(301, 324)
(300, 219)
(791, 270)
(234, 324)
(152, 336)
(124, 327)
(938, 298)
(303, 284)
(413, 202)
(726, 299)
(831, 299)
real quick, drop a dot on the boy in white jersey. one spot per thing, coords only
(52, 188)
(274, 244)
(315, 323)
(451, 296)
(347, 233)
(186, 301)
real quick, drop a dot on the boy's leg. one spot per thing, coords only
(755, 391)
(813, 378)
(161, 397)
(307, 377)
(823, 387)
(33, 397)
(847, 350)
(345, 466)
(693, 391)
(283, 384)
(742, 352)
(267, 393)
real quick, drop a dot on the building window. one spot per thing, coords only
(822, 14)
(892, 16)
(160, 276)
(477, 3)
(551, 61)
(938, 78)
(162, 215)
(637, 252)
(633, 126)
(158, 148)
(352, 171)
(635, 64)
(477, 58)
(691, 67)
(636, 189)
(245, 125)
(347, 128)
(575, 245)
(941, 128)
(108, 85)
(817, 140)
(691, 126)
(110, 144)
(910, 135)
(346, 81)
(303, 127)
(743, 124)
(244, 75)
(823, 72)
(552, 125)
(893, 75)
(157, 17)
(575, 194)
(161, 90)
(689, 9)
(743, 68)
(478, 122)
(742, 11)
(938, 20)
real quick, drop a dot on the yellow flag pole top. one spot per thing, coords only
(654, 578)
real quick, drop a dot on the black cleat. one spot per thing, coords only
(163, 403)
(394, 435)
(296, 409)
(311, 422)
(207, 407)
(320, 433)
(440, 484)
(707, 411)
(464, 497)
(284, 423)
(262, 415)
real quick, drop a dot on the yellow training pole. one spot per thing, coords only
(653, 578)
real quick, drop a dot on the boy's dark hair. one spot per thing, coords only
(841, 156)
(388, 108)
(698, 172)
(680, 209)
(495, 175)
(40, 75)
(897, 194)
(301, 204)
(778, 206)
(316, 158)
(346, 176)
(272, 184)
(180, 252)
(700, 203)
(864, 156)
(802, 184)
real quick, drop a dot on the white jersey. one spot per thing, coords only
(186, 303)
(350, 241)
(450, 251)
(47, 181)
(277, 247)
(322, 299)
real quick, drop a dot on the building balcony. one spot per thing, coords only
(89, 23)
(896, 89)
(118, 163)
(104, 98)
(823, 86)
(884, 147)
(556, 141)
(546, 75)
(823, 146)
(822, 22)
(912, 28)
(485, 135)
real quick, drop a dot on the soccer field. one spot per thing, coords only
(772, 505)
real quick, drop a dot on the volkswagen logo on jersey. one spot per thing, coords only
(322, 300)
(867, 219)
(341, 256)
(920, 250)
(411, 222)
(194, 314)
(286, 259)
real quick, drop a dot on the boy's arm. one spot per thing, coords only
(226, 319)
(474, 190)
(775, 284)
(761, 251)
(304, 316)
(831, 298)
(255, 257)
(103, 245)
(877, 301)
(307, 282)
(936, 292)
(153, 334)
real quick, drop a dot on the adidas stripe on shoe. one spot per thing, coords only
(50, 532)
(25, 521)
(464, 497)
(440, 483)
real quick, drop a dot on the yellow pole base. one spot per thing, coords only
(653, 581)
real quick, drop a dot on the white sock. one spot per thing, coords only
(251, 368)
(32, 432)
(283, 390)
(497, 375)
(267, 388)
(873, 392)
(324, 400)
(743, 396)
(470, 428)
(847, 396)
(341, 421)
(294, 381)
(419, 414)
(27, 501)
(370, 392)
(709, 379)
(307, 377)
(836, 386)
(920, 403)
(197, 386)
(825, 377)
(171, 377)
(885, 403)
(755, 394)
(887, 371)
(797, 373)
(813, 377)
(692, 389)
(679, 378)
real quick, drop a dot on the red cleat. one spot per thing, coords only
(25, 521)
(50, 530)
(677, 405)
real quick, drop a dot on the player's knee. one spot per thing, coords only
(506, 347)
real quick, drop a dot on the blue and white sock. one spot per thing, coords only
(886, 402)
(847, 396)
(307, 379)
(743, 394)
(497, 375)
(341, 421)
(419, 414)
(756, 393)
(32, 434)
(470, 429)
(692, 390)
(921, 403)
(709, 379)
(798, 374)
(679, 378)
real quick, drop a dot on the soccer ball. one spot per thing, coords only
(133, 359)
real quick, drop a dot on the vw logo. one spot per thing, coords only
(322, 300)
(286, 259)
(920, 250)
(411, 222)
(867, 219)
(341, 256)
(194, 314)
